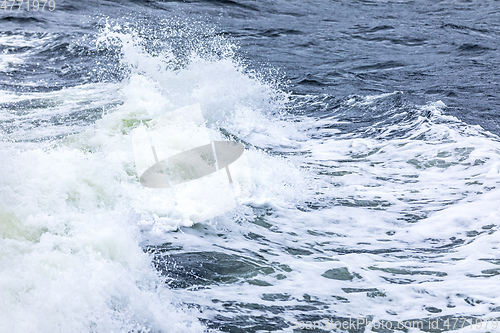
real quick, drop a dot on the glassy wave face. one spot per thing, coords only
(371, 136)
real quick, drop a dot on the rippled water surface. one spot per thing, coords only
(368, 191)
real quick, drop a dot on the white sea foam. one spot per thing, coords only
(70, 253)
(410, 211)
(54, 114)
(413, 220)
(73, 214)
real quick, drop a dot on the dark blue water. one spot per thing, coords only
(445, 50)
(375, 194)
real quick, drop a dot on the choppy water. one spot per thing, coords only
(371, 133)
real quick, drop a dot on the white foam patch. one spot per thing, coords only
(413, 219)
(376, 201)
(72, 253)
(435, 187)
(74, 215)
(57, 113)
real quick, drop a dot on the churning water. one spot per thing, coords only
(371, 143)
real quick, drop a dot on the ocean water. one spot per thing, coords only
(367, 199)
